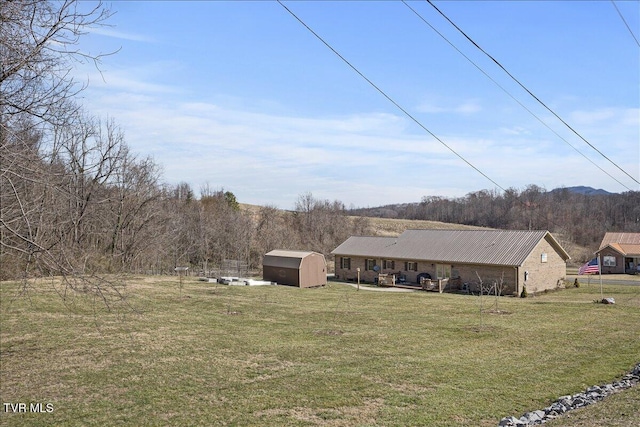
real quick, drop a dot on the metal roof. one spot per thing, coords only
(286, 258)
(624, 249)
(490, 247)
(624, 238)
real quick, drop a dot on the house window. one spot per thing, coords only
(369, 264)
(609, 261)
(411, 266)
(388, 264)
(345, 263)
(443, 271)
(543, 257)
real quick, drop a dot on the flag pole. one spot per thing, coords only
(600, 274)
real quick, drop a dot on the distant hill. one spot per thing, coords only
(396, 210)
(587, 191)
(400, 210)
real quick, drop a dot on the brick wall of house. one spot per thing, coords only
(471, 274)
(542, 275)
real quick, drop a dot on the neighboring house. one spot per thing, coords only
(296, 268)
(514, 257)
(620, 253)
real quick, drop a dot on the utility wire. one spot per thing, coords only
(402, 109)
(625, 22)
(510, 95)
(383, 93)
(529, 92)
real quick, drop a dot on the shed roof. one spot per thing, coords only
(285, 258)
(624, 238)
(489, 247)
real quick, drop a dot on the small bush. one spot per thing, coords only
(523, 294)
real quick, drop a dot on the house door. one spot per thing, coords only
(443, 271)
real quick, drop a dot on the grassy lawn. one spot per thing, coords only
(215, 355)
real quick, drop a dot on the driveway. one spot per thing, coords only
(379, 289)
(611, 279)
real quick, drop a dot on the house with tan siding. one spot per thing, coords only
(620, 253)
(461, 258)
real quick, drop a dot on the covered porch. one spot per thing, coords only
(632, 264)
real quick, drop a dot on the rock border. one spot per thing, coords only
(567, 403)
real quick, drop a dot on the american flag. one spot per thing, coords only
(590, 268)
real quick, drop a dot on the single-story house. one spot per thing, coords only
(620, 253)
(514, 258)
(296, 268)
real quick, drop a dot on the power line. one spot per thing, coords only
(510, 95)
(625, 22)
(383, 93)
(402, 109)
(529, 92)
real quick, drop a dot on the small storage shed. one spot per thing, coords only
(295, 268)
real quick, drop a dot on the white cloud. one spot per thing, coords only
(470, 106)
(110, 32)
(365, 159)
(589, 117)
(515, 130)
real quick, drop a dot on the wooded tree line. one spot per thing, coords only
(577, 219)
(87, 206)
(75, 201)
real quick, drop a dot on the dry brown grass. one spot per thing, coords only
(395, 226)
(387, 226)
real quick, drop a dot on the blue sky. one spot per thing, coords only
(239, 95)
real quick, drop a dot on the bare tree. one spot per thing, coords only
(22, 194)
(134, 215)
(272, 230)
(91, 154)
(322, 224)
(38, 48)
(58, 197)
(483, 289)
(227, 231)
(498, 289)
(46, 193)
